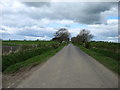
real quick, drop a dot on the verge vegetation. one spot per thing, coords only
(107, 53)
(107, 57)
(27, 58)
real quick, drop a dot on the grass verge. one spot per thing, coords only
(105, 59)
(21, 56)
(32, 61)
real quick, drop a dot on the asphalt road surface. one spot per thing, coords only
(71, 68)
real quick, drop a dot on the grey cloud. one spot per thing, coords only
(36, 4)
(35, 32)
(91, 13)
(97, 7)
(88, 13)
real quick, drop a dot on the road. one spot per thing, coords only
(71, 68)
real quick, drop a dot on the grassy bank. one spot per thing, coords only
(33, 61)
(29, 57)
(108, 59)
(21, 56)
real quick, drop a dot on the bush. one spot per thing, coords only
(87, 45)
(55, 46)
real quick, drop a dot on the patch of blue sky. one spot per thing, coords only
(113, 17)
(82, 26)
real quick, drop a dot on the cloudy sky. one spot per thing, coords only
(40, 20)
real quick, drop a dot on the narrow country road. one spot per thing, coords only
(71, 68)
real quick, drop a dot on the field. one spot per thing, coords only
(106, 53)
(27, 53)
(15, 46)
(15, 42)
(113, 47)
(21, 54)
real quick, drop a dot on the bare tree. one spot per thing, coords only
(62, 35)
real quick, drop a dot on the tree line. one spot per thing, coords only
(83, 38)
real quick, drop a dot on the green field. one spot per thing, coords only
(26, 58)
(14, 46)
(110, 46)
(27, 42)
(106, 53)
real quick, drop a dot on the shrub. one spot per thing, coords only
(87, 45)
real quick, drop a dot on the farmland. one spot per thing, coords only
(106, 53)
(15, 42)
(19, 54)
(110, 46)
(14, 46)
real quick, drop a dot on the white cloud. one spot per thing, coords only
(105, 32)
(81, 12)
(112, 22)
(64, 21)
(74, 31)
(30, 20)
(35, 38)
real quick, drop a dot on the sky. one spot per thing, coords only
(40, 20)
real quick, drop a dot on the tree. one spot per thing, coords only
(83, 38)
(74, 39)
(62, 35)
(37, 40)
